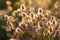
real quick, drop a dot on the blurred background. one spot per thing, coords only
(53, 5)
(9, 6)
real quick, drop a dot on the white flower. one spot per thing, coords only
(32, 15)
(22, 7)
(53, 18)
(24, 14)
(6, 16)
(40, 10)
(18, 10)
(40, 25)
(54, 22)
(49, 23)
(11, 19)
(17, 30)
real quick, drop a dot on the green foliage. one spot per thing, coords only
(16, 5)
(3, 35)
(3, 4)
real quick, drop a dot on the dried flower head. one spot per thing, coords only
(24, 14)
(40, 10)
(53, 18)
(18, 10)
(22, 7)
(11, 19)
(17, 30)
(5, 16)
(49, 23)
(40, 24)
(54, 22)
(32, 15)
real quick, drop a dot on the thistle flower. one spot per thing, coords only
(11, 25)
(40, 25)
(51, 30)
(41, 15)
(53, 18)
(40, 11)
(49, 23)
(24, 14)
(6, 17)
(23, 26)
(20, 23)
(56, 33)
(17, 30)
(54, 22)
(22, 7)
(11, 19)
(18, 10)
(32, 15)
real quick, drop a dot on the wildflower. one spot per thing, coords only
(49, 23)
(20, 23)
(17, 30)
(18, 13)
(32, 15)
(22, 7)
(51, 29)
(6, 17)
(11, 25)
(24, 14)
(40, 25)
(40, 11)
(56, 33)
(18, 10)
(53, 18)
(41, 16)
(11, 19)
(54, 22)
